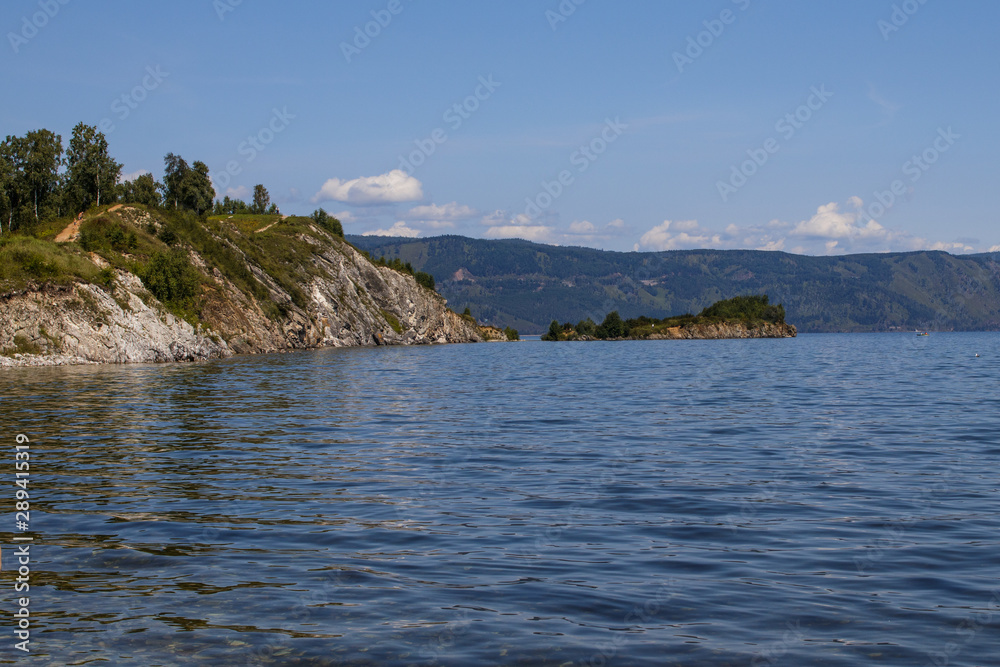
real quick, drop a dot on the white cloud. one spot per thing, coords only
(398, 229)
(957, 247)
(504, 225)
(995, 248)
(452, 211)
(539, 233)
(345, 217)
(435, 224)
(499, 218)
(831, 230)
(677, 235)
(832, 223)
(393, 187)
(242, 192)
(772, 245)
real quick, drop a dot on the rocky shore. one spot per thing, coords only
(349, 301)
(727, 330)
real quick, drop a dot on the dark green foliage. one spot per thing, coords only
(511, 333)
(92, 173)
(231, 207)
(261, 199)
(167, 235)
(554, 333)
(612, 327)
(142, 190)
(187, 188)
(747, 308)
(29, 182)
(170, 277)
(424, 279)
(105, 234)
(326, 221)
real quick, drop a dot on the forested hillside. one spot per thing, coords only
(527, 285)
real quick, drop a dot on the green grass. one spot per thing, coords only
(247, 223)
(393, 321)
(154, 244)
(24, 259)
(22, 346)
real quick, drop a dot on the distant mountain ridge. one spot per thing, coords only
(526, 285)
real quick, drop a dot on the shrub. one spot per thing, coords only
(612, 327)
(170, 277)
(425, 279)
(104, 234)
(554, 332)
(167, 235)
(751, 307)
(328, 222)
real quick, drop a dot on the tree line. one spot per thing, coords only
(34, 186)
(39, 180)
(750, 308)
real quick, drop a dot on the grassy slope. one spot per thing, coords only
(132, 237)
(527, 285)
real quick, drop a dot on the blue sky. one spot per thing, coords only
(810, 127)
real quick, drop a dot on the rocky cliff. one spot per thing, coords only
(720, 330)
(340, 298)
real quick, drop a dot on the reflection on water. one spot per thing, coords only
(825, 500)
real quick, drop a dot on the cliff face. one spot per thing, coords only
(346, 301)
(728, 330)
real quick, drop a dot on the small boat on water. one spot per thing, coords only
(923, 333)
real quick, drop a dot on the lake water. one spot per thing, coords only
(825, 500)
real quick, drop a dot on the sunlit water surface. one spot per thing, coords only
(827, 500)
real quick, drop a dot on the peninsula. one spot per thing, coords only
(750, 316)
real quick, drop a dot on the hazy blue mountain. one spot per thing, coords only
(527, 285)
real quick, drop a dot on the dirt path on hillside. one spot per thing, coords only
(72, 231)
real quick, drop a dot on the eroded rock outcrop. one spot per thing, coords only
(728, 330)
(349, 301)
